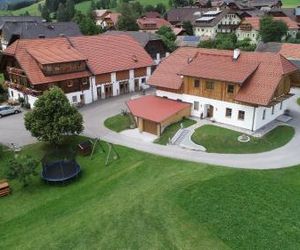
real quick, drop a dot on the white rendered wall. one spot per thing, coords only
(253, 119)
(15, 94)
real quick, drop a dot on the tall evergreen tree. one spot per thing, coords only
(70, 9)
(61, 13)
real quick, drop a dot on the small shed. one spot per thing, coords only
(153, 114)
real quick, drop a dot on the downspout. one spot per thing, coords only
(253, 119)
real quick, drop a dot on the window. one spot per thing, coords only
(230, 89)
(273, 109)
(74, 98)
(196, 83)
(264, 114)
(228, 112)
(143, 80)
(11, 93)
(196, 105)
(241, 115)
(281, 106)
(70, 84)
(209, 85)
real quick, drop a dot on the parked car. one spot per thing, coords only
(8, 110)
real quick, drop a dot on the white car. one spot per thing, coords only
(8, 110)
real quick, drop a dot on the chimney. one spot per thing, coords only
(236, 54)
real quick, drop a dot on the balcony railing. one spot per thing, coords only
(23, 89)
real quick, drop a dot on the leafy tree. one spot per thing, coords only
(22, 169)
(45, 13)
(127, 20)
(149, 8)
(53, 117)
(188, 27)
(160, 8)
(272, 30)
(168, 37)
(88, 26)
(210, 44)
(245, 45)
(70, 9)
(61, 13)
(137, 8)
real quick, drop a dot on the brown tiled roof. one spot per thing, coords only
(217, 67)
(156, 22)
(155, 108)
(56, 55)
(111, 53)
(258, 73)
(103, 54)
(22, 50)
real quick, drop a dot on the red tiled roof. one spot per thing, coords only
(143, 22)
(156, 109)
(219, 67)
(258, 73)
(104, 54)
(55, 55)
(21, 48)
(290, 50)
(254, 21)
(111, 53)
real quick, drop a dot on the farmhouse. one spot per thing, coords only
(86, 68)
(243, 89)
(249, 28)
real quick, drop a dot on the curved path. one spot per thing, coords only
(12, 130)
(286, 156)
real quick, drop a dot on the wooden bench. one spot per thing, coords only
(4, 188)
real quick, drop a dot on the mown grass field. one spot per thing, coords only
(221, 140)
(143, 201)
(290, 3)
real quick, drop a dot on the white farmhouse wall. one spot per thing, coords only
(15, 95)
(253, 35)
(253, 119)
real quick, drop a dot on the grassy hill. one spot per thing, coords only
(84, 6)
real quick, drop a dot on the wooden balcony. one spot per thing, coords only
(15, 71)
(23, 89)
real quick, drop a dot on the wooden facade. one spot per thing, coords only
(218, 90)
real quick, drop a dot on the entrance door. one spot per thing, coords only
(136, 85)
(108, 90)
(150, 127)
(210, 111)
(82, 99)
(99, 92)
(124, 88)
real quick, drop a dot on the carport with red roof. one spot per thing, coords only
(153, 114)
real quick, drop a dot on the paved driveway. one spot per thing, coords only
(12, 130)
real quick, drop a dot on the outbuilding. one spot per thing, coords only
(153, 114)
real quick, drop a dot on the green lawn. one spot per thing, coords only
(143, 201)
(298, 101)
(118, 122)
(290, 3)
(221, 140)
(171, 130)
(84, 7)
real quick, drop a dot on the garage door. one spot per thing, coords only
(150, 127)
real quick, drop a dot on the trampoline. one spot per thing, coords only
(60, 166)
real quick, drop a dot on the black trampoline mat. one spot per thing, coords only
(60, 171)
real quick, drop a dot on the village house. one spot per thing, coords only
(209, 23)
(152, 43)
(86, 68)
(14, 30)
(106, 18)
(249, 28)
(242, 89)
(147, 24)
